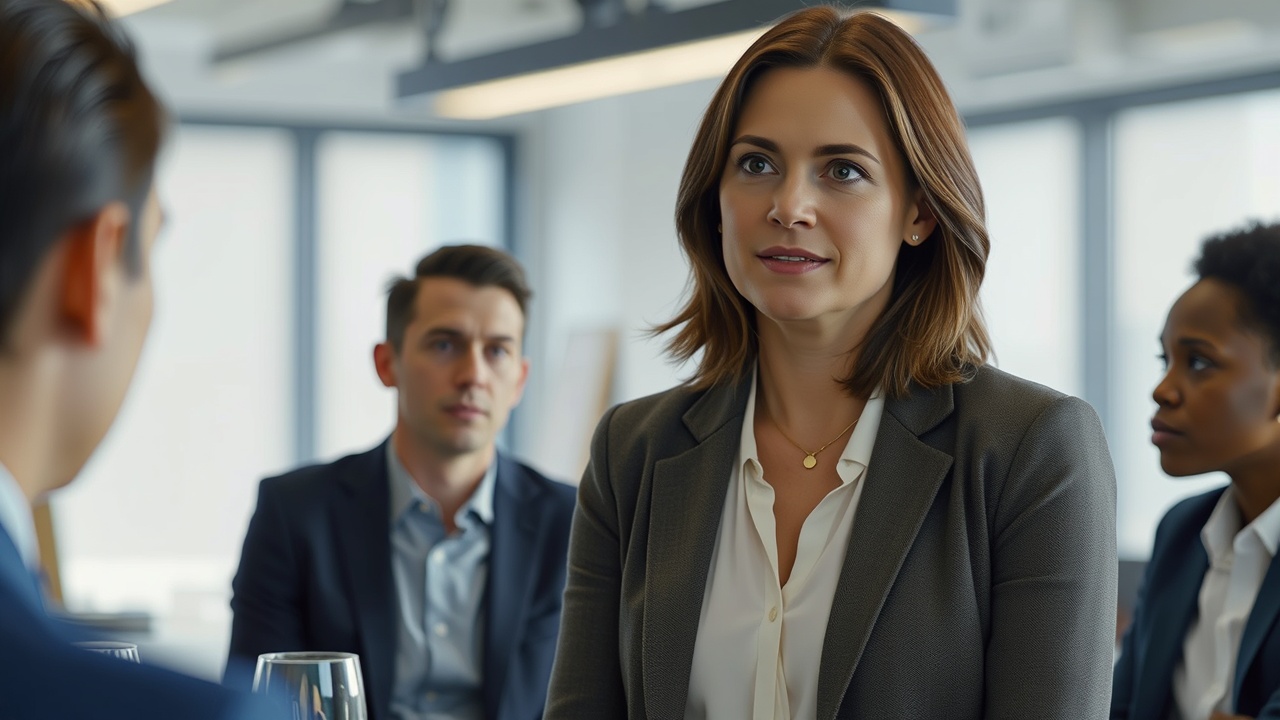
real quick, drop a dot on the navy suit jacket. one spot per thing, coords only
(43, 677)
(315, 574)
(1167, 604)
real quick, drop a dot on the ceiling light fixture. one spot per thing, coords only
(618, 75)
(120, 8)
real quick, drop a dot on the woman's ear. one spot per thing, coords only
(920, 221)
(94, 249)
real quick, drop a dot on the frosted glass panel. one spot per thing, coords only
(1183, 172)
(1031, 295)
(384, 202)
(157, 519)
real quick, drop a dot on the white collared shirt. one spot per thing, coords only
(1238, 562)
(16, 520)
(759, 644)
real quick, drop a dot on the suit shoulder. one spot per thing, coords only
(310, 480)
(659, 410)
(1188, 515)
(563, 493)
(995, 396)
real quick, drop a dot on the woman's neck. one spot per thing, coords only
(799, 381)
(1257, 483)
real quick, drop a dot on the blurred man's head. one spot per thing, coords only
(454, 348)
(79, 135)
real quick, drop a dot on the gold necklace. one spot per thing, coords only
(811, 458)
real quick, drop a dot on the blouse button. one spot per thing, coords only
(773, 613)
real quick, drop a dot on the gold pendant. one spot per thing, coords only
(810, 461)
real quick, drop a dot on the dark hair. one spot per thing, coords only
(78, 129)
(932, 331)
(478, 265)
(1248, 259)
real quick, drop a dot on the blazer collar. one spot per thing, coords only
(363, 523)
(900, 485)
(680, 545)
(517, 558)
(1171, 601)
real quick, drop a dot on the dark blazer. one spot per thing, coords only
(1169, 601)
(42, 677)
(315, 574)
(979, 579)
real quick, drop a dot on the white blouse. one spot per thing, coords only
(1238, 562)
(759, 644)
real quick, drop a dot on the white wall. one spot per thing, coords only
(598, 220)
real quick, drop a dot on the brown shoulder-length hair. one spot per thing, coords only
(932, 332)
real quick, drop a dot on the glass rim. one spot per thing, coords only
(106, 645)
(299, 657)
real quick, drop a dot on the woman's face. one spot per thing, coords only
(1220, 395)
(814, 200)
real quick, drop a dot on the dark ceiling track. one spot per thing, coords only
(651, 29)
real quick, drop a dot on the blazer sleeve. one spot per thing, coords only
(266, 601)
(1053, 564)
(586, 679)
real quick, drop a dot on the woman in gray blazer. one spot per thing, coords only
(845, 513)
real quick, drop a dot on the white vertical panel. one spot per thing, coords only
(1030, 175)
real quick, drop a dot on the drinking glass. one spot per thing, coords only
(314, 685)
(123, 650)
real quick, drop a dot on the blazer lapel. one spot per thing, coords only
(899, 488)
(1266, 607)
(363, 526)
(681, 543)
(515, 546)
(1173, 605)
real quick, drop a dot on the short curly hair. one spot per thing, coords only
(1248, 259)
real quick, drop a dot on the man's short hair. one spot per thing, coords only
(78, 129)
(477, 265)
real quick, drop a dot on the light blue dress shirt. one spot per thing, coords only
(439, 583)
(16, 520)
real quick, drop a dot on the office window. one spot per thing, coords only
(1183, 171)
(156, 520)
(385, 200)
(1031, 295)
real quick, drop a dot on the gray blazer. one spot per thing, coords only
(979, 581)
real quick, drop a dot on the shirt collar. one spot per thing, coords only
(857, 450)
(16, 519)
(1267, 526)
(406, 493)
(1223, 526)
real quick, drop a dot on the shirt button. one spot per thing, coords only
(437, 556)
(442, 630)
(773, 613)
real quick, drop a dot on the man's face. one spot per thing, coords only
(460, 369)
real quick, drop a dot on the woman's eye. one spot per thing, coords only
(755, 165)
(1195, 362)
(844, 172)
(1164, 360)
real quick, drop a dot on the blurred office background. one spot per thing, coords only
(1110, 135)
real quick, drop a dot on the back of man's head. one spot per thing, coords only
(78, 129)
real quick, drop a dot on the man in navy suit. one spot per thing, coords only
(79, 133)
(437, 559)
